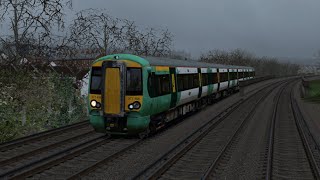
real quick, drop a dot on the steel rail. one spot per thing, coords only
(37, 136)
(297, 113)
(87, 170)
(42, 149)
(204, 129)
(34, 167)
(230, 140)
(271, 135)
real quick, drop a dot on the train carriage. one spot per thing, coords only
(135, 95)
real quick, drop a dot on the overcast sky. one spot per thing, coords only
(279, 28)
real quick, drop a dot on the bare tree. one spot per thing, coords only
(182, 55)
(30, 26)
(216, 56)
(95, 29)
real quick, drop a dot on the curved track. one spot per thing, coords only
(190, 158)
(77, 151)
(290, 154)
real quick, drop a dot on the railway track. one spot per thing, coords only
(41, 136)
(62, 164)
(99, 168)
(59, 153)
(191, 158)
(25, 152)
(293, 152)
(243, 155)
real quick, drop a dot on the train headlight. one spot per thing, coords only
(130, 106)
(93, 103)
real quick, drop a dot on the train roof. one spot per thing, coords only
(160, 61)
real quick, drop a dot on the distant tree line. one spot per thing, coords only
(263, 65)
(37, 29)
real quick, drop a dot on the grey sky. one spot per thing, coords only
(280, 28)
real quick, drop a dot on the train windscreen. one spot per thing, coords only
(134, 81)
(96, 80)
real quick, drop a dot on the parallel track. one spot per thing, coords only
(39, 136)
(162, 165)
(83, 145)
(311, 146)
(31, 159)
(85, 155)
(23, 153)
(290, 152)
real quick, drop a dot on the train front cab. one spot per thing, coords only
(116, 89)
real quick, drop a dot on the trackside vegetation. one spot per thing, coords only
(31, 102)
(313, 91)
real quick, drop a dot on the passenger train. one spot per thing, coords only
(132, 95)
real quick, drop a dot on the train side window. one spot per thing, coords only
(205, 78)
(163, 83)
(223, 76)
(187, 81)
(215, 78)
(180, 82)
(233, 75)
(195, 78)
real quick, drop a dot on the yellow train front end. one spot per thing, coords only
(116, 95)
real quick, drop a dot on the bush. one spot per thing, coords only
(32, 102)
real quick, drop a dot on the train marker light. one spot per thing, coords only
(98, 105)
(136, 105)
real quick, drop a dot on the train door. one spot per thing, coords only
(218, 80)
(200, 82)
(174, 95)
(228, 72)
(113, 88)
